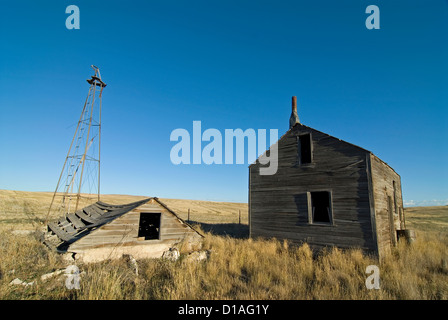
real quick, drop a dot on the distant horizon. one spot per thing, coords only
(406, 204)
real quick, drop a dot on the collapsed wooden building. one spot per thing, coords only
(326, 192)
(143, 229)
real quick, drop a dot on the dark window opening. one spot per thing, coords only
(305, 148)
(320, 206)
(149, 226)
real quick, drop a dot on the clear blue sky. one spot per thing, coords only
(230, 64)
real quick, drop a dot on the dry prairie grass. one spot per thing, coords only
(237, 268)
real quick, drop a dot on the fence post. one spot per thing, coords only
(188, 215)
(239, 216)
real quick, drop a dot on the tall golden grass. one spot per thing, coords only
(239, 268)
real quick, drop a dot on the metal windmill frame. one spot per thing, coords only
(87, 134)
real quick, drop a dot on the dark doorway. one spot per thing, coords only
(321, 208)
(149, 226)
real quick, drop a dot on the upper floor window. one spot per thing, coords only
(305, 148)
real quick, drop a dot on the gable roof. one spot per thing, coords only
(75, 226)
(307, 127)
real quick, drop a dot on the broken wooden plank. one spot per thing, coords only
(77, 222)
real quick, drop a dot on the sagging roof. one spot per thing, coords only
(77, 225)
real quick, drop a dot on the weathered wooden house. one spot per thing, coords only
(143, 229)
(326, 192)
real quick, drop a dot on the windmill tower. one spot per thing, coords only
(79, 181)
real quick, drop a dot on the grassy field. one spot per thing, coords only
(238, 267)
(23, 210)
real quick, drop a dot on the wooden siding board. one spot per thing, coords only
(134, 242)
(314, 237)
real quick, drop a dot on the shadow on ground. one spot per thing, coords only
(234, 230)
